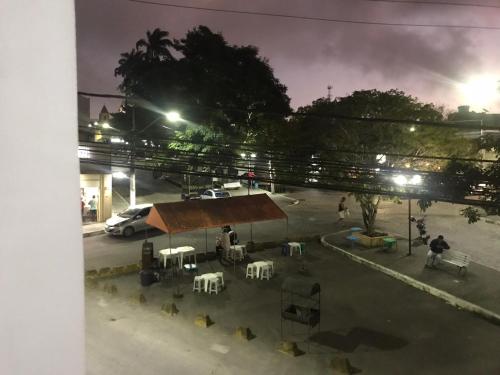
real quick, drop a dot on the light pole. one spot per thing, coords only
(405, 181)
(171, 116)
(248, 157)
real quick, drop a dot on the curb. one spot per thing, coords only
(441, 294)
(294, 201)
(489, 221)
(92, 234)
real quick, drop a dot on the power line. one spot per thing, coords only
(450, 124)
(331, 182)
(283, 149)
(307, 18)
(115, 96)
(445, 3)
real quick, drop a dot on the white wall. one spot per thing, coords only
(41, 258)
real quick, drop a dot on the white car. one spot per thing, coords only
(215, 194)
(128, 222)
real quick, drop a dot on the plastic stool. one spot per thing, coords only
(352, 239)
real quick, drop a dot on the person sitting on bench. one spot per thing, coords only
(437, 246)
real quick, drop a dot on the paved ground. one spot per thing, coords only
(380, 324)
(479, 285)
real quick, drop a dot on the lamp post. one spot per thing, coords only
(171, 116)
(405, 181)
(248, 157)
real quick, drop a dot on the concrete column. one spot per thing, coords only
(41, 257)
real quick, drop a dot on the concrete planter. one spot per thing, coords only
(368, 241)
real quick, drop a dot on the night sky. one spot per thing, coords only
(307, 56)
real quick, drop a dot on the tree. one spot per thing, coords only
(156, 45)
(228, 89)
(227, 93)
(344, 145)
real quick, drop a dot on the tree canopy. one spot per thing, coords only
(227, 89)
(339, 145)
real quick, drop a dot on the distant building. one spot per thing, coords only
(95, 179)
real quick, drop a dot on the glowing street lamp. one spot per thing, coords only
(404, 181)
(173, 116)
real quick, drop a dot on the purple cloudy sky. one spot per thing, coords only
(306, 55)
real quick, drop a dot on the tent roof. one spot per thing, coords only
(185, 216)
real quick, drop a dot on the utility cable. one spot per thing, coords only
(306, 18)
(445, 3)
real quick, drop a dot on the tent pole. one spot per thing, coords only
(286, 238)
(206, 244)
(170, 251)
(234, 258)
(251, 232)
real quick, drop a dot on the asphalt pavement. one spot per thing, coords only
(380, 324)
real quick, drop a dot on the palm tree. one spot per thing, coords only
(129, 67)
(156, 45)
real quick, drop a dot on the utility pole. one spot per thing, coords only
(329, 87)
(132, 161)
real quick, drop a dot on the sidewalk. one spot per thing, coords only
(480, 285)
(92, 229)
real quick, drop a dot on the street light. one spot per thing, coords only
(402, 180)
(173, 116)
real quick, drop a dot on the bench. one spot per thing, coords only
(456, 258)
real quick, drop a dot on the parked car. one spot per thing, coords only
(215, 194)
(190, 196)
(130, 221)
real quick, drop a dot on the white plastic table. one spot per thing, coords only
(178, 252)
(186, 251)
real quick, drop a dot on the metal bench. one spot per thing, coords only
(456, 258)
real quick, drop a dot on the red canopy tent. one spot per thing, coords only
(177, 217)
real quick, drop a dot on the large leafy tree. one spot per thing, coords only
(342, 145)
(227, 93)
(226, 88)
